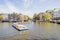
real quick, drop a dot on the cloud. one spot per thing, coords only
(11, 7)
(4, 9)
(25, 0)
(43, 0)
(27, 3)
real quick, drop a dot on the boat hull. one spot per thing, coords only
(19, 29)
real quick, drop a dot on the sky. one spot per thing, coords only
(28, 7)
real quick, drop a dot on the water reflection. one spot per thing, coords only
(7, 30)
(39, 30)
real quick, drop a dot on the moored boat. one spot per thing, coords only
(19, 27)
(58, 22)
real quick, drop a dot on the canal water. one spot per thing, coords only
(37, 31)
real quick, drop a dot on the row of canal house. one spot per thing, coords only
(40, 17)
(48, 15)
(56, 13)
(13, 17)
(18, 17)
(44, 16)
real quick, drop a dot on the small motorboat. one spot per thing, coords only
(19, 27)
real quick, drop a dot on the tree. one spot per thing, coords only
(34, 17)
(47, 16)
